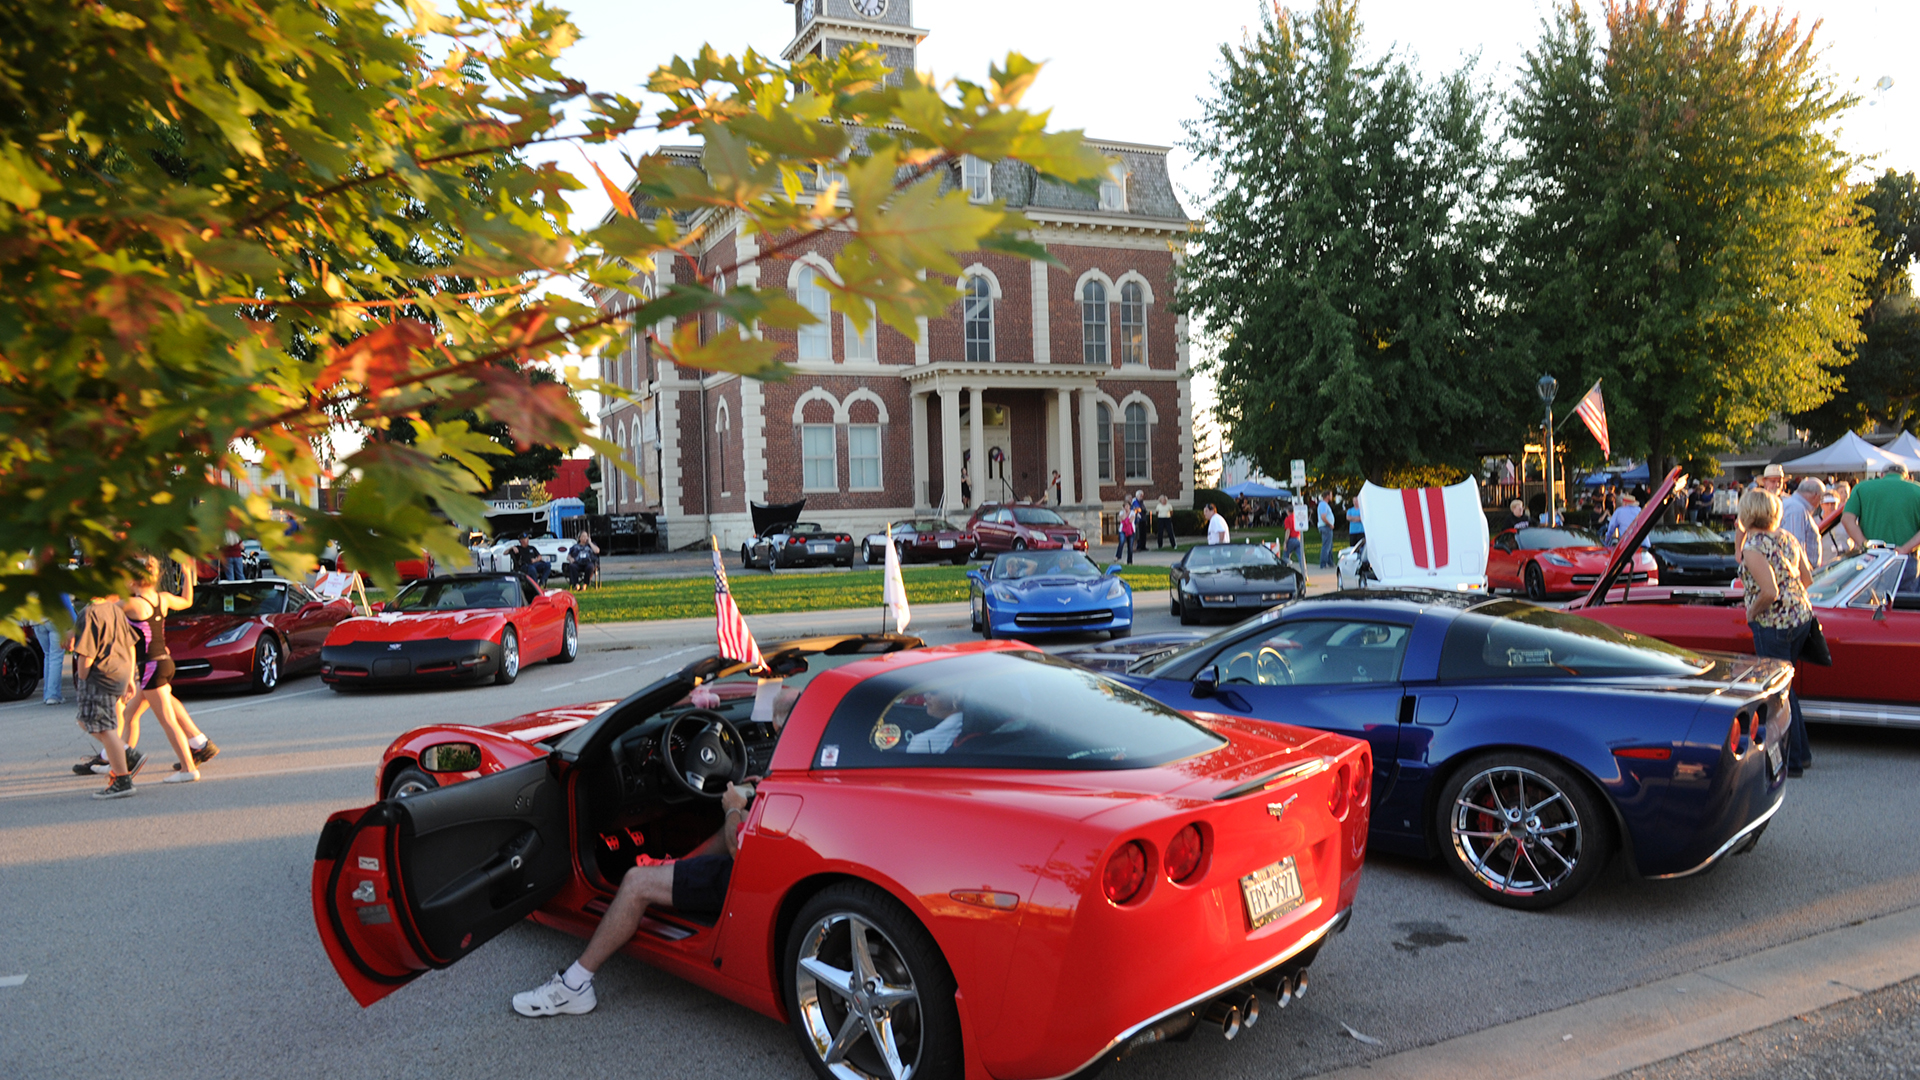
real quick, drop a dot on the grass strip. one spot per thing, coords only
(764, 594)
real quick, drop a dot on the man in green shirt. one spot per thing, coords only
(1886, 508)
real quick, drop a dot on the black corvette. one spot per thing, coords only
(1692, 555)
(1235, 580)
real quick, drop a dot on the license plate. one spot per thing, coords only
(1270, 892)
(820, 549)
(946, 543)
(1775, 758)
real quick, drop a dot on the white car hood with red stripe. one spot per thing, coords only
(1429, 538)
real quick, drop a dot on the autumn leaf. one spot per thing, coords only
(540, 413)
(620, 200)
(376, 360)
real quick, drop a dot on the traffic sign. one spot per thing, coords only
(1299, 473)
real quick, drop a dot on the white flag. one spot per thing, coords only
(894, 594)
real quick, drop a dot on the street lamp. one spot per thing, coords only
(1548, 387)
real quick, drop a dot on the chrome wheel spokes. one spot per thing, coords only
(866, 1025)
(1516, 831)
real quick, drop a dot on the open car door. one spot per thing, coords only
(411, 884)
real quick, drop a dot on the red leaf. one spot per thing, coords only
(621, 201)
(377, 359)
(533, 412)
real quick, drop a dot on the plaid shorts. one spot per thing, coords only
(97, 707)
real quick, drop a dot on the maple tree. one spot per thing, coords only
(229, 233)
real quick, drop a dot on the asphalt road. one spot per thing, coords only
(1875, 1035)
(174, 929)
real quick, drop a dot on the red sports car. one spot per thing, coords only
(454, 629)
(1869, 612)
(997, 528)
(250, 633)
(1544, 562)
(1071, 872)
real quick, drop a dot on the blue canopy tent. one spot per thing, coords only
(1637, 474)
(1598, 479)
(1252, 490)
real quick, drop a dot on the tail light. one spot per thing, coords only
(1362, 789)
(1126, 872)
(1337, 800)
(1737, 741)
(1183, 854)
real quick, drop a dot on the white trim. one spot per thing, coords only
(1146, 286)
(722, 417)
(815, 260)
(1042, 316)
(753, 439)
(818, 393)
(965, 282)
(797, 277)
(1132, 277)
(844, 412)
(1153, 419)
(979, 269)
(1093, 275)
(1106, 315)
(1153, 414)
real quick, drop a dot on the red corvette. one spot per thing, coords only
(454, 629)
(250, 633)
(1072, 872)
(1872, 627)
(1545, 562)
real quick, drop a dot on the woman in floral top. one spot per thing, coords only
(1774, 573)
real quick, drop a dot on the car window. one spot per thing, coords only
(1540, 538)
(1217, 556)
(465, 594)
(933, 525)
(1687, 534)
(1034, 515)
(1504, 541)
(1512, 640)
(1025, 564)
(1835, 578)
(804, 527)
(1885, 585)
(249, 599)
(1020, 709)
(529, 590)
(1001, 517)
(1315, 652)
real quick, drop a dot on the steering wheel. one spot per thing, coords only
(711, 753)
(1273, 668)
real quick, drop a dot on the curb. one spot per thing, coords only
(1608, 1035)
(774, 627)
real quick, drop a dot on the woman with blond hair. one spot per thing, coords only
(147, 610)
(1775, 573)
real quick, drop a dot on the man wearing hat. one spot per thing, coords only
(1773, 479)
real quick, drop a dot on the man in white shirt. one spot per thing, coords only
(1216, 525)
(938, 739)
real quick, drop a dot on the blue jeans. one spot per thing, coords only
(1786, 645)
(1296, 550)
(49, 636)
(1326, 548)
(1125, 550)
(236, 568)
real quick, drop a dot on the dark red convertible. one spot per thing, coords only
(250, 633)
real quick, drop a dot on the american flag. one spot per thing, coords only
(1593, 410)
(736, 641)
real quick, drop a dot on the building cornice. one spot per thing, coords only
(857, 29)
(1112, 223)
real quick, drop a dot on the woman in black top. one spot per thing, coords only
(147, 610)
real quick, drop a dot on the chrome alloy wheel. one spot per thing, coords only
(858, 1001)
(269, 664)
(1515, 831)
(510, 654)
(570, 645)
(408, 788)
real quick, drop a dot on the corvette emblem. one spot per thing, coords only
(1064, 599)
(1279, 809)
(395, 647)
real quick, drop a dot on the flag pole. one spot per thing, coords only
(886, 531)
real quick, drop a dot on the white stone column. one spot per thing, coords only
(1089, 448)
(1063, 433)
(1042, 332)
(922, 498)
(977, 468)
(950, 450)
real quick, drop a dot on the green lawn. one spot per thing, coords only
(760, 593)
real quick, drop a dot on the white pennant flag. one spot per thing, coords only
(893, 595)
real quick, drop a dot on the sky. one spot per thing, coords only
(1135, 70)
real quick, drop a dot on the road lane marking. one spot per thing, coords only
(11, 980)
(590, 678)
(205, 776)
(265, 700)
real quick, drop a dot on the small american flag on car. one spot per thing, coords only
(736, 641)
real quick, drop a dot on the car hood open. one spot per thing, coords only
(1630, 543)
(1433, 538)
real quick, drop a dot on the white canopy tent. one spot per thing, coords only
(1848, 454)
(1906, 448)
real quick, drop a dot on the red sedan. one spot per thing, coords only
(250, 633)
(464, 628)
(1869, 612)
(1544, 562)
(1041, 890)
(997, 528)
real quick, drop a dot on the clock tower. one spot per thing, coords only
(824, 27)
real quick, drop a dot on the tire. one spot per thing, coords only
(1173, 599)
(847, 563)
(1019, 545)
(1187, 616)
(1536, 583)
(1116, 635)
(409, 782)
(509, 658)
(19, 671)
(960, 560)
(266, 664)
(917, 988)
(745, 563)
(1500, 859)
(866, 553)
(569, 642)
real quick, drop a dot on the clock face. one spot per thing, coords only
(872, 9)
(807, 8)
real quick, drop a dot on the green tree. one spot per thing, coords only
(1883, 382)
(1342, 262)
(234, 229)
(1687, 234)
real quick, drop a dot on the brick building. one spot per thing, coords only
(1080, 368)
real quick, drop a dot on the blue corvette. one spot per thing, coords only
(1521, 744)
(1048, 592)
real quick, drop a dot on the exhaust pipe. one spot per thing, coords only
(1300, 984)
(1226, 1015)
(1250, 1010)
(1283, 991)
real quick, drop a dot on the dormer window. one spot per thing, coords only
(1113, 190)
(977, 176)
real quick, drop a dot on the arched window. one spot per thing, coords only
(977, 313)
(1133, 324)
(1103, 438)
(816, 340)
(720, 289)
(1093, 322)
(1136, 441)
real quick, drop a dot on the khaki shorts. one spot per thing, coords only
(99, 707)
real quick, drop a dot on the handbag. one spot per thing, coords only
(1815, 651)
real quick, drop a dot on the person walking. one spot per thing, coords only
(1621, 523)
(1163, 524)
(1800, 516)
(147, 610)
(1296, 548)
(1217, 532)
(103, 650)
(1125, 550)
(1323, 515)
(1774, 573)
(53, 647)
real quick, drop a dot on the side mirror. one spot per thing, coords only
(975, 575)
(377, 606)
(1206, 681)
(450, 758)
(1114, 570)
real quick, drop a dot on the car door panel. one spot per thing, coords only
(407, 885)
(1874, 658)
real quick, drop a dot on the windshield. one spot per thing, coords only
(1024, 564)
(1509, 639)
(1539, 538)
(1832, 581)
(1217, 556)
(1034, 515)
(804, 527)
(466, 594)
(1688, 534)
(933, 525)
(1017, 709)
(248, 599)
